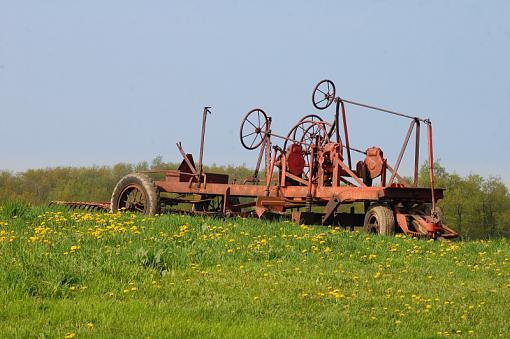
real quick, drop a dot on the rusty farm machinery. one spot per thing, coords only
(310, 178)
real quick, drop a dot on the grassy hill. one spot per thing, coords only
(67, 274)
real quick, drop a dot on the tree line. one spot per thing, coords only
(40, 186)
(475, 206)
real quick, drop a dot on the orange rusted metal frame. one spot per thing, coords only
(93, 205)
(345, 194)
(434, 228)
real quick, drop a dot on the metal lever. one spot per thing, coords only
(204, 119)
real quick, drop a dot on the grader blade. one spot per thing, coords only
(84, 205)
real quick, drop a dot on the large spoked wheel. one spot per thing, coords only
(305, 133)
(310, 119)
(254, 128)
(314, 132)
(297, 132)
(379, 219)
(135, 193)
(323, 94)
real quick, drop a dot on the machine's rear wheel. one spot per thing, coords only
(379, 219)
(136, 193)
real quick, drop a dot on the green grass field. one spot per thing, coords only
(76, 274)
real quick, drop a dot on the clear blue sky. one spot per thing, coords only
(101, 82)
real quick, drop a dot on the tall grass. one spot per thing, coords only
(15, 208)
(124, 275)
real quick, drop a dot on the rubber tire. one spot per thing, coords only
(152, 202)
(384, 216)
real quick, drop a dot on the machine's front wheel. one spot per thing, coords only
(136, 193)
(379, 219)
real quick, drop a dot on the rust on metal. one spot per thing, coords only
(87, 205)
(307, 177)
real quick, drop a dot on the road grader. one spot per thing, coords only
(310, 177)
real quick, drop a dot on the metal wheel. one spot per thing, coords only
(309, 137)
(323, 94)
(313, 131)
(254, 128)
(297, 131)
(136, 193)
(132, 198)
(310, 119)
(305, 132)
(301, 132)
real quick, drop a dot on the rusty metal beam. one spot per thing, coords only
(417, 154)
(346, 133)
(402, 150)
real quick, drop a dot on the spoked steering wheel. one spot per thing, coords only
(323, 94)
(254, 128)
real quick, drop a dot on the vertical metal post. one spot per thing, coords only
(431, 163)
(259, 160)
(352, 216)
(269, 176)
(267, 142)
(383, 173)
(283, 171)
(337, 120)
(417, 153)
(204, 118)
(344, 118)
(309, 198)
